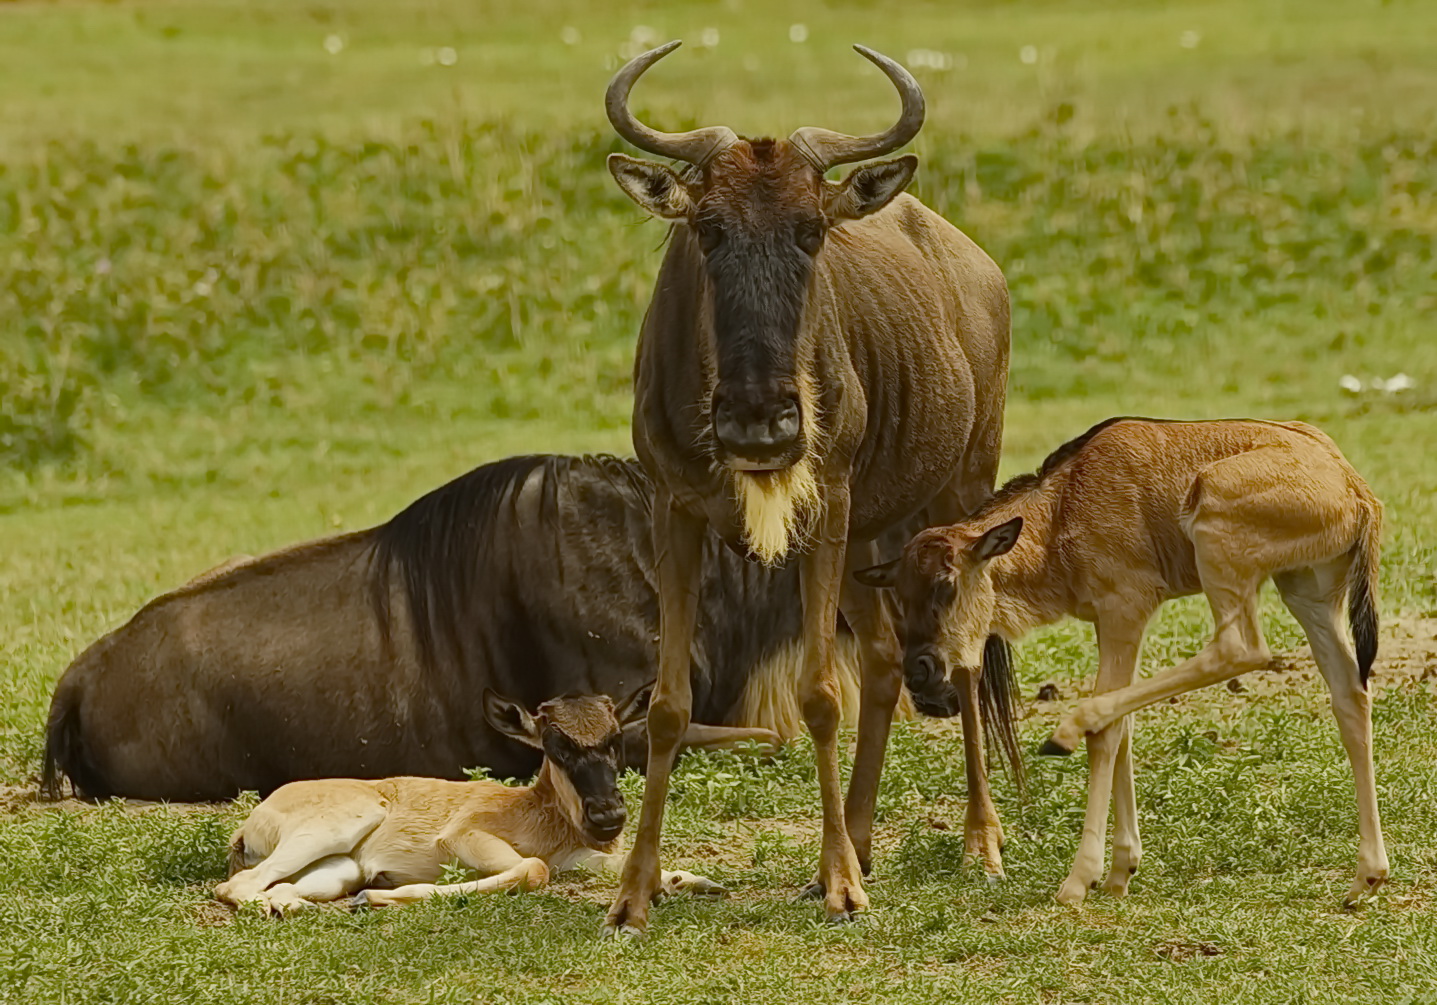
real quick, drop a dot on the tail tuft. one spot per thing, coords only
(1362, 591)
(62, 743)
(998, 705)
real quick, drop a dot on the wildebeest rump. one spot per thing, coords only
(820, 361)
(366, 654)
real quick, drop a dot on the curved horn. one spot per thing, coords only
(696, 146)
(827, 148)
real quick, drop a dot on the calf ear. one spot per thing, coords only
(868, 189)
(879, 575)
(655, 187)
(635, 706)
(998, 540)
(510, 719)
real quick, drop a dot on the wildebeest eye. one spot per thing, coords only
(809, 236)
(709, 233)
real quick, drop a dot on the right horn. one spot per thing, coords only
(825, 148)
(697, 146)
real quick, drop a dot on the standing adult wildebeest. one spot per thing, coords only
(819, 361)
(367, 654)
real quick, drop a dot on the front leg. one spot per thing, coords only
(612, 863)
(1120, 640)
(678, 552)
(839, 875)
(501, 865)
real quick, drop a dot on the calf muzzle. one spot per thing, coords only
(933, 693)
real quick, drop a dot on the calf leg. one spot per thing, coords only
(328, 879)
(882, 684)
(670, 882)
(1127, 843)
(1120, 640)
(1236, 648)
(478, 850)
(303, 843)
(1318, 611)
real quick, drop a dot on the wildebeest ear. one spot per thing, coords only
(655, 187)
(635, 706)
(997, 541)
(868, 189)
(510, 719)
(879, 575)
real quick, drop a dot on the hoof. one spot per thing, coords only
(625, 932)
(994, 880)
(1051, 748)
(813, 891)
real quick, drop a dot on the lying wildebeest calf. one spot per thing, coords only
(365, 655)
(1129, 515)
(389, 840)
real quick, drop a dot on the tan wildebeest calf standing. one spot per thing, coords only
(390, 839)
(1134, 513)
(820, 361)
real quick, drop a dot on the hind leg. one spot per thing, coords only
(1314, 596)
(303, 841)
(328, 879)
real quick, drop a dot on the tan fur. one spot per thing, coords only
(770, 698)
(390, 839)
(1141, 512)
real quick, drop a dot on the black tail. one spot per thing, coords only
(998, 705)
(62, 743)
(1362, 592)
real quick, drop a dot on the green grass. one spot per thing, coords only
(255, 292)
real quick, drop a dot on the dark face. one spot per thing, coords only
(583, 742)
(591, 767)
(759, 222)
(944, 588)
(927, 594)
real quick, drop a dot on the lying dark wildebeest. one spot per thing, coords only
(820, 361)
(1127, 516)
(365, 655)
(389, 840)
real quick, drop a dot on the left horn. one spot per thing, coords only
(697, 146)
(825, 148)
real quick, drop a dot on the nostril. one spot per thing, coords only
(927, 667)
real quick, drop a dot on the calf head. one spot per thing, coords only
(582, 739)
(944, 587)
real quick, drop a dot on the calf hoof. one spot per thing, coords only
(1363, 887)
(627, 933)
(1072, 893)
(698, 886)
